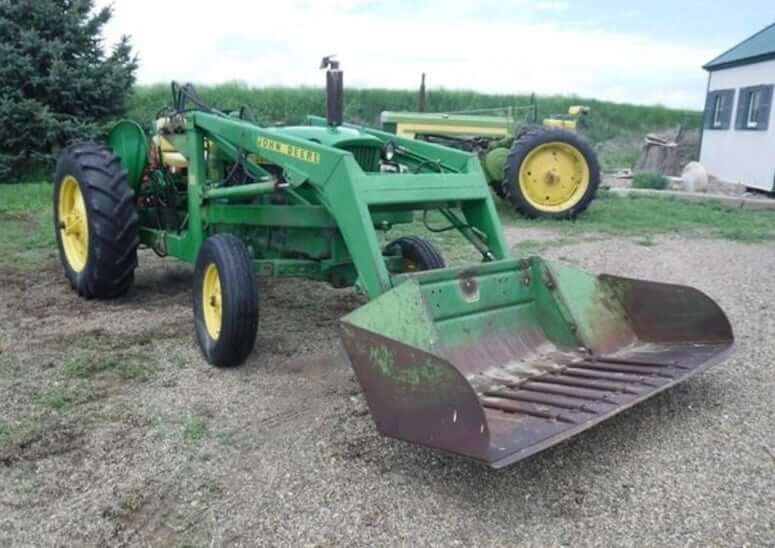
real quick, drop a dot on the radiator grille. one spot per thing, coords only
(367, 157)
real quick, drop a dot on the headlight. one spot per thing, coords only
(388, 151)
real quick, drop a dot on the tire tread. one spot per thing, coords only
(112, 217)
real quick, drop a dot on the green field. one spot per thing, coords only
(616, 129)
(27, 236)
(291, 105)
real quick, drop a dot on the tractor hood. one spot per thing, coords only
(339, 137)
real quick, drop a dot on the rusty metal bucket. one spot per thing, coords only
(504, 360)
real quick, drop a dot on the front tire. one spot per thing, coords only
(551, 173)
(418, 254)
(225, 301)
(95, 221)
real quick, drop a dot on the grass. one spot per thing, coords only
(644, 216)
(653, 181)
(194, 429)
(26, 232)
(23, 198)
(91, 367)
(125, 366)
(60, 399)
(88, 359)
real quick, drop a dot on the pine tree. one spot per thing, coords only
(57, 83)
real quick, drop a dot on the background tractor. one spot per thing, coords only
(494, 361)
(545, 171)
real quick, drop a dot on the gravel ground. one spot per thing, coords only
(151, 447)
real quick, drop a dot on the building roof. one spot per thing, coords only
(759, 47)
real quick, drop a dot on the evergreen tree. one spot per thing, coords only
(57, 83)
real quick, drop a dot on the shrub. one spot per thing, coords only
(653, 181)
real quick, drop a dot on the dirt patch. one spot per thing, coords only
(34, 443)
(282, 450)
(18, 218)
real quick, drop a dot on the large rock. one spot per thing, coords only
(694, 177)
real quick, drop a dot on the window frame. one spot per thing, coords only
(718, 109)
(754, 108)
(752, 118)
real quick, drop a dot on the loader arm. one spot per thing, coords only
(352, 196)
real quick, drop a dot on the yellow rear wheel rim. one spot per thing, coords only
(554, 177)
(73, 223)
(212, 301)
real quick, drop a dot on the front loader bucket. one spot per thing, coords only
(503, 360)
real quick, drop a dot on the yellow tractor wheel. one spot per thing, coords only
(551, 173)
(95, 221)
(225, 301)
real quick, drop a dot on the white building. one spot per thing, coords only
(738, 140)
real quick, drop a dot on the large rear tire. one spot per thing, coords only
(551, 173)
(95, 221)
(225, 301)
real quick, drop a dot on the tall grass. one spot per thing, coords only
(290, 105)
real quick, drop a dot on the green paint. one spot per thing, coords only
(327, 189)
(421, 374)
(399, 314)
(129, 142)
(592, 305)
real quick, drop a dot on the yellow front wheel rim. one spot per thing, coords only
(212, 301)
(554, 177)
(73, 223)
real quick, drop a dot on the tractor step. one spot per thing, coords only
(503, 361)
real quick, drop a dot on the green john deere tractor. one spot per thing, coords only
(495, 360)
(545, 171)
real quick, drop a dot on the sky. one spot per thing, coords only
(636, 52)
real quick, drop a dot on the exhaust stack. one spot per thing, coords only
(334, 91)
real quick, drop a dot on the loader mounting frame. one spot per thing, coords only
(341, 200)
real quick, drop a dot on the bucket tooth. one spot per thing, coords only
(534, 354)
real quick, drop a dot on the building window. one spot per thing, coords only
(754, 104)
(718, 112)
(718, 109)
(754, 108)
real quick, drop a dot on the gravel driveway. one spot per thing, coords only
(145, 445)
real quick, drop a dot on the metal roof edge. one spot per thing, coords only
(712, 65)
(740, 62)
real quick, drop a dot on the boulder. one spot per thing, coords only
(694, 177)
